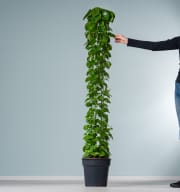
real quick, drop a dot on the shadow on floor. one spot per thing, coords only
(149, 183)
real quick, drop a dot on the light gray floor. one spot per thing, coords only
(121, 186)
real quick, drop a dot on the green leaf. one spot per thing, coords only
(105, 15)
(112, 17)
(102, 154)
(111, 34)
(86, 127)
(108, 64)
(87, 14)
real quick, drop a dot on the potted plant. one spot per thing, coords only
(97, 132)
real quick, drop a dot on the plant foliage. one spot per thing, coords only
(97, 131)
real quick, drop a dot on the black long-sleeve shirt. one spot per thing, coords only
(170, 44)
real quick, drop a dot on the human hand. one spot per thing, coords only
(121, 39)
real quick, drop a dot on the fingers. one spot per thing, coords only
(120, 39)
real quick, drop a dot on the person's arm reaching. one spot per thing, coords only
(169, 44)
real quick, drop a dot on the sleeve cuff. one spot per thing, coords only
(130, 42)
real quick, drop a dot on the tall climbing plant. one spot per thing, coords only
(97, 131)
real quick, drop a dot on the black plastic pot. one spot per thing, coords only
(96, 171)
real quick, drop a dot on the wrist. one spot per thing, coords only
(126, 41)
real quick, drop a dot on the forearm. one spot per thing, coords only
(169, 44)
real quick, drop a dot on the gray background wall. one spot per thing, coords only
(42, 89)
